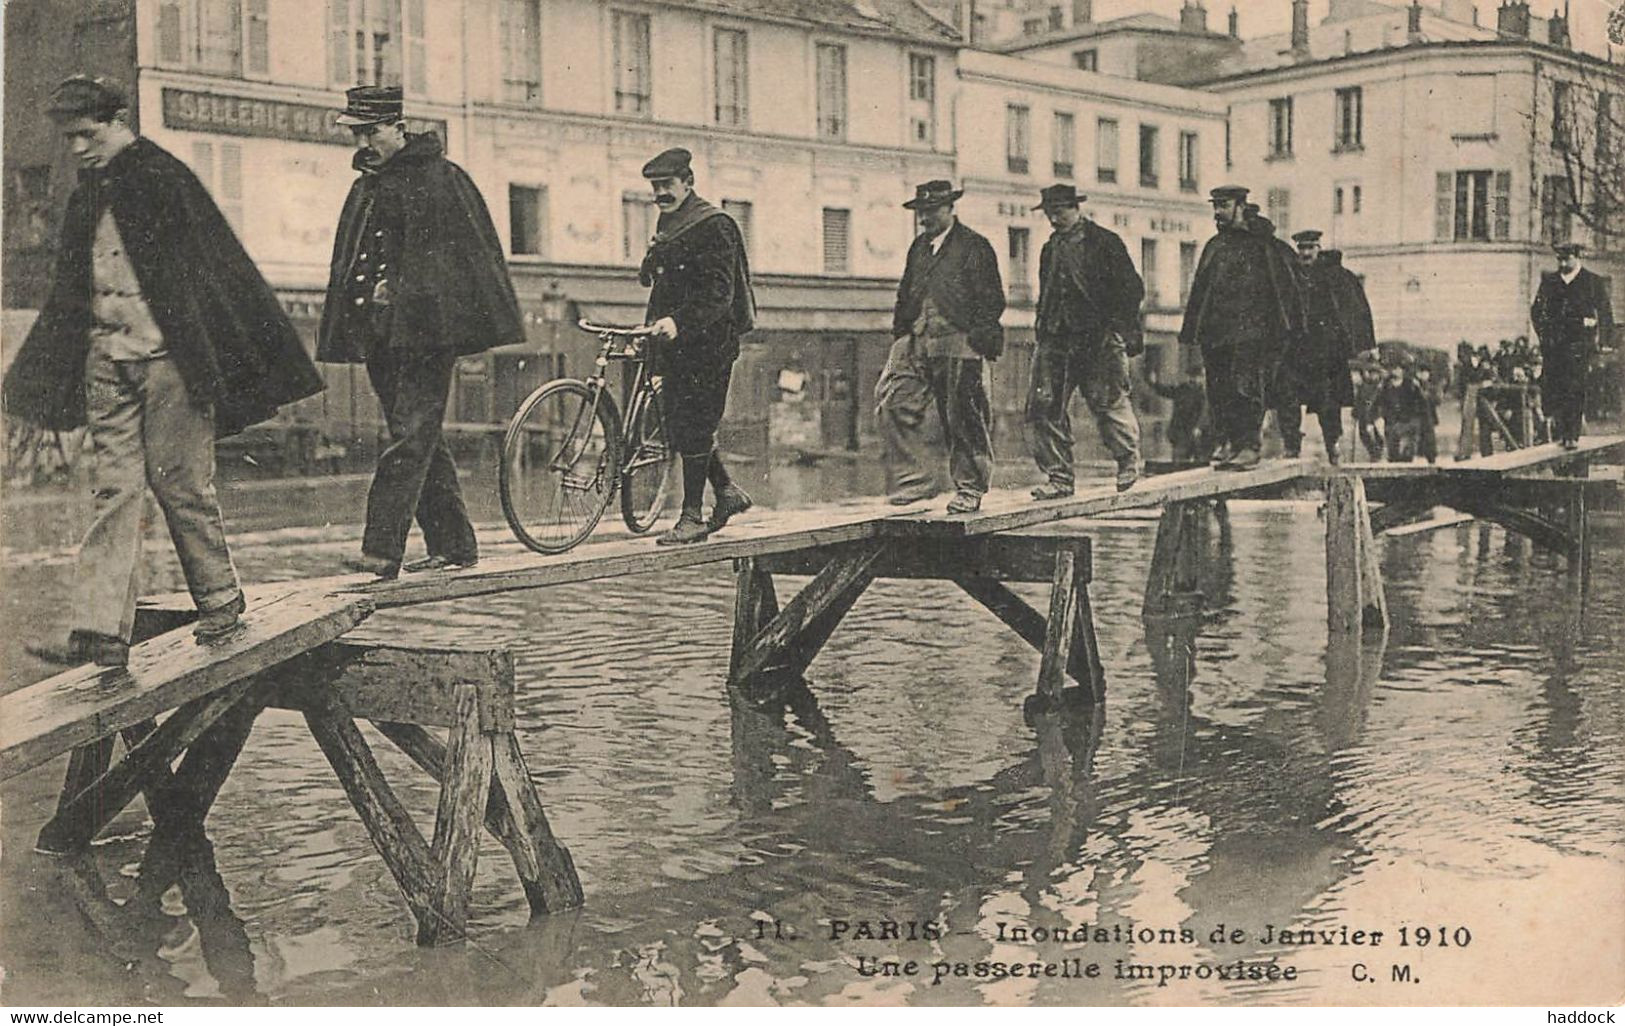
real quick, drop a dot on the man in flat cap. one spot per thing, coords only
(1573, 319)
(1088, 325)
(1244, 306)
(945, 324)
(159, 334)
(418, 278)
(700, 300)
(1316, 372)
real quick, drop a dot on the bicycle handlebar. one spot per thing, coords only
(623, 331)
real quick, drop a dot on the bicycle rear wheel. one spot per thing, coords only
(649, 467)
(558, 464)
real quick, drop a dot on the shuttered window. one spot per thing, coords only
(731, 78)
(1020, 289)
(223, 37)
(1473, 206)
(1503, 205)
(370, 40)
(259, 37)
(221, 172)
(1279, 210)
(1017, 138)
(521, 30)
(1064, 143)
(633, 75)
(637, 225)
(837, 239)
(740, 211)
(1148, 272)
(831, 91)
(1106, 150)
(1443, 204)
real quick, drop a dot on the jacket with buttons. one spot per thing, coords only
(698, 276)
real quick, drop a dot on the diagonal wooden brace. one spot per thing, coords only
(794, 637)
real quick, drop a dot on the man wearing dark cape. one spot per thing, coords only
(1244, 309)
(1316, 373)
(700, 302)
(418, 278)
(1573, 319)
(159, 334)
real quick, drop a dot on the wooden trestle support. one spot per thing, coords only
(768, 639)
(403, 691)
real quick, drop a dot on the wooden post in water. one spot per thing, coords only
(1354, 596)
(1173, 586)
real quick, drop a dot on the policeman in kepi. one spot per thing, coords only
(700, 300)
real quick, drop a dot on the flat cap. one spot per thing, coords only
(1307, 235)
(1227, 192)
(673, 163)
(83, 96)
(371, 105)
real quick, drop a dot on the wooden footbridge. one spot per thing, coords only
(292, 652)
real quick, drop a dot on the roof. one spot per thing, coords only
(1224, 76)
(895, 19)
(1146, 22)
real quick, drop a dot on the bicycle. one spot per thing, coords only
(567, 451)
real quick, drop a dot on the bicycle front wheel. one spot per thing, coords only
(559, 462)
(650, 464)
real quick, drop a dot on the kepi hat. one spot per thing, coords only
(936, 193)
(83, 96)
(1058, 196)
(1567, 248)
(371, 105)
(1307, 235)
(672, 163)
(1228, 192)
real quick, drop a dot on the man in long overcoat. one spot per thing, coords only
(1573, 319)
(159, 334)
(1088, 322)
(700, 300)
(1244, 307)
(418, 278)
(945, 324)
(1316, 373)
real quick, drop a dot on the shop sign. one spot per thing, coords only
(188, 110)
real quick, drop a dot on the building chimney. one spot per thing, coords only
(1557, 31)
(1193, 18)
(1235, 24)
(1413, 22)
(1300, 26)
(1512, 19)
(1083, 12)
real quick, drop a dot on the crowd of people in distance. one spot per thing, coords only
(1396, 407)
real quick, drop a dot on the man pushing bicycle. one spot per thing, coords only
(700, 300)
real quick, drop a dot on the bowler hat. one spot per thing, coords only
(1058, 196)
(936, 193)
(83, 96)
(1568, 248)
(672, 163)
(1227, 192)
(371, 105)
(1307, 235)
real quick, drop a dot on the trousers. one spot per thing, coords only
(1237, 418)
(1289, 419)
(147, 433)
(1101, 374)
(908, 385)
(416, 477)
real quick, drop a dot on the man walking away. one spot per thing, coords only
(161, 335)
(946, 322)
(1088, 325)
(1573, 319)
(418, 278)
(700, 299)
(1244, 305)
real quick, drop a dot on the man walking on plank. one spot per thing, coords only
(1573, 319)
(159, 334)
(700, 301)
(946, 323)
(1316, 374)
(1088, 325)
(418, 278)
(1244, 307)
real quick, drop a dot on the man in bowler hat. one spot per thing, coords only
(700, 301)
(159, 334)
(1573, 319)
(1088, 325)
(945, 324)
(1244, 307)
(418, 278)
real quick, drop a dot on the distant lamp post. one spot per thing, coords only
(555, 304)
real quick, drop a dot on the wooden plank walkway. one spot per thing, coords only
(1533, 457)
(60, 713)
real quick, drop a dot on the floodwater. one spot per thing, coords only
(1463, 777)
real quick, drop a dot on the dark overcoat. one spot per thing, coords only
(1573, 321)
(962, 279)
(698, 275)
(1087, 287)
(221, 323)
(1245, 295)
(450, 287)
(1338, 327)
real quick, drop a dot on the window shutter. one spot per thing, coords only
(837, 230)
(417, 55)
(1443, 206)
(231, 184)
(338, 43)
(169, 31)
(1503, 205)
(259, 37)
